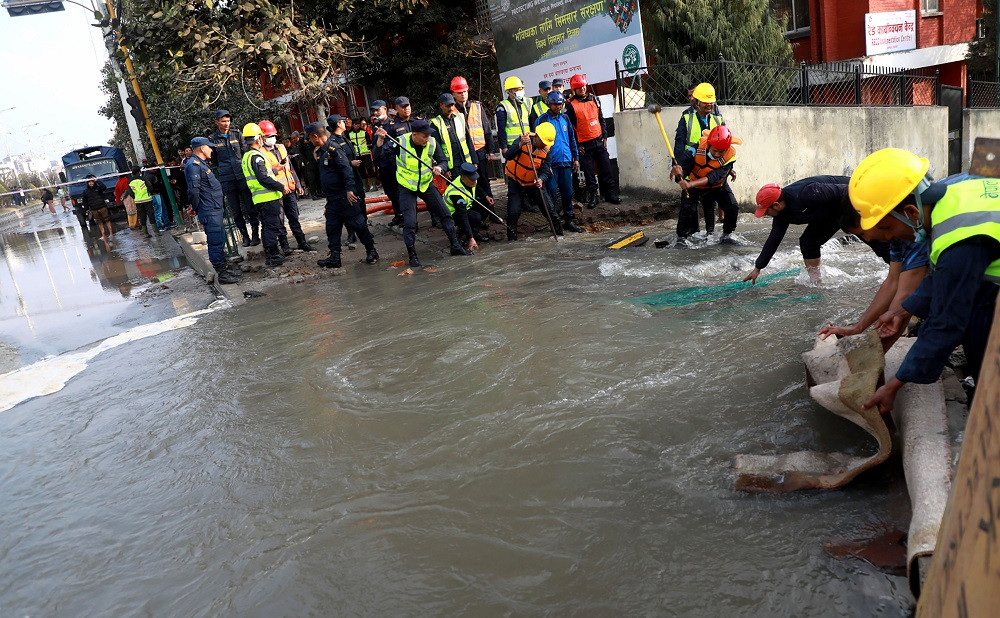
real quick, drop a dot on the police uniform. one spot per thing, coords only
(459, 198)
(204, 193)
(227, 154)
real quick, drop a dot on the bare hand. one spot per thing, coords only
(351, 198)
(684, 185)
(285, 190)
(380, 132)
(576, 166)
(300, 191)
(448, 175)
(473, 245)
(752, 277)
(676, 171)
(843, 331)
(885, 397)
(436, 170)
(538, 183)
(490, 200)
(526, 138)
(190, 212)
(732, 174)
(356, 163)
(891, 323)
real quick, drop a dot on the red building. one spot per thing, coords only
(939, 32)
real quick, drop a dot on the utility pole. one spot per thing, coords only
(133, 128)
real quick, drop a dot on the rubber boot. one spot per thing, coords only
(255, 239)
(592, 199)
(458, 249)
(371, 256)
(511, 232)
(414, 260)
(283, 243)
(244, 235)
(332, 261)
(305, 246)
(274, 257)
(225, 276)
(570, 226)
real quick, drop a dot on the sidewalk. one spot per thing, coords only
(432, 244)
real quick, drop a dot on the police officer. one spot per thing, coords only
(452, 133)
(205, 196)
(397, 127)
(343, 208)
(227, 152)
(337, 126)
(558, 85)
(418, 160)
(480, 131)
(266, 192)
(459, 197)
(541, 103)
(584, 111)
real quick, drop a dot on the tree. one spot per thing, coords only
(982, 56)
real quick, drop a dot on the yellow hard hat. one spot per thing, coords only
(546, 132)
(883, 180)
(251, 129)
(704, 92)
(512, 82)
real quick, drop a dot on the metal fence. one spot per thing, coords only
(982, 93)
(747, 83)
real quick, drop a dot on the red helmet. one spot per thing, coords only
(577, 81)
(458, 84)
(721, 138)
(267, 128)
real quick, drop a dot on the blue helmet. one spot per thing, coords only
(555, 97)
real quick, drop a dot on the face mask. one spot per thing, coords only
(271, 141)
(919, 233)
(519, 95)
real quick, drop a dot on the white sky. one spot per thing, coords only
(60, 46)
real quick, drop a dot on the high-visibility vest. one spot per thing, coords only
(969, 208)
(477, 129)
(705, 165)
(588, 119)
(282, 172)
(442, 128)
(520, 168)
(540, 106)
(457, 191)
(694, 128)
(140, 191)
(413, 173)
(360, 141)
(258, 192)
(517, 120)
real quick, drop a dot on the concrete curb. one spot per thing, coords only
(199, 262)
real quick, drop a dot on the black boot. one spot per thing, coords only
(614, 199)
(255, 240)
(283, 243)
(333, 261)
(351, 238)
(396, 220)
(570, 226)
(556, 224)
(414, 260)
(371, 256)
(225, 276)
(244, 235)
(458, 249)
(304, 245)
(511, 232)
(592, 199)
(274, 257)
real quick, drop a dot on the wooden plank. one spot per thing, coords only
(964, 577)
(631, 240)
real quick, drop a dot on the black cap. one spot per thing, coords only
(469, 171)
(402, 101)
(333, 119)
(200, 141)
(421, 126)
(313, 127)
(447, 98)
(91, 176)
(377, 103)
(557, 82)
(544, 84)
(222, 113)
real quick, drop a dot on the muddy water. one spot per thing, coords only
(511, 435)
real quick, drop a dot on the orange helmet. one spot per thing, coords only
(458, 84)
(721, 138)
(267, 128)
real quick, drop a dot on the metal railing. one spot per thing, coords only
(982, 93)
(748, 83)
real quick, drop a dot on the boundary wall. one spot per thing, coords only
(977, 123)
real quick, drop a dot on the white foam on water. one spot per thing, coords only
(51, 374)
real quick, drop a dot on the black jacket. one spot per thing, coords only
(93, 197)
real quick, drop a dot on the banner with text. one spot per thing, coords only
(545, 39)
(890, 32)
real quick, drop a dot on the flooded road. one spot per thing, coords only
(515, 434)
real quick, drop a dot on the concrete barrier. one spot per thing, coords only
(977, 123)
(783, 144)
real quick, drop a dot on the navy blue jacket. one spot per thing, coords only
(816, 199)
(204, 190)
(227, 154)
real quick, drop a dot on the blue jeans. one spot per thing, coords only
(561, 184)
(158, 210)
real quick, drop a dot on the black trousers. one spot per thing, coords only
(594, 154)
(687, 218)
(435, 206)
(483, 188)
(270, 223)
(340, 214)
(144, 210)
(290, 206)
(237, 199)
(517, 195)
(387, 174)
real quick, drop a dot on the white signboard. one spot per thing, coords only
(890, 32)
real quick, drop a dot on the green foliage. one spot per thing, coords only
(700, 30)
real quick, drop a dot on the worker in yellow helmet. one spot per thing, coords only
(897, 200)
(513, 113)
(527, 169)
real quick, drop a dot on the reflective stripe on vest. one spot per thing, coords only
(139, 191)
(282, 172)
(540, 107)
(516, 125)
(588, 119)
(705, 165)
(969, 208)
(258, 192)
(442, 128)
(456, 191)
(695, 129)
(413, 173)
(477, 130)
(520, 167)
(360, 141)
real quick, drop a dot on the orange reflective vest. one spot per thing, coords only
(705, 165)
(520, 168)
(282, 172)
(477, 130)
(588, 119)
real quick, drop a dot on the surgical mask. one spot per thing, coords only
(381, 116)
(919, 232)
(519, 95)
(271, 141)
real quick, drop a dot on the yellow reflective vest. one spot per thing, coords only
(694, 127)
(413, 173)
(968, 208)
(139, 191)
(457, 191)
(460, 132)
(517, 121)
(258, 192)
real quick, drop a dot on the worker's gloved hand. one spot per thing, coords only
(842, 331)
(752, 277)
